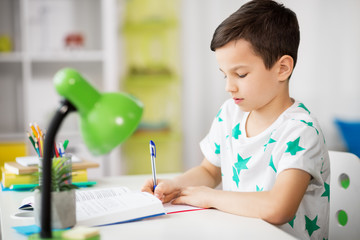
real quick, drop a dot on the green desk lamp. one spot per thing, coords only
(106, 120)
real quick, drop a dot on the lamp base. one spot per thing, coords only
(57, 235)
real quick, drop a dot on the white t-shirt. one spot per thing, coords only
(250, 164)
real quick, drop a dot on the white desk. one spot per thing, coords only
(203, 224)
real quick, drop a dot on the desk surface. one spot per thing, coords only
(205, 224)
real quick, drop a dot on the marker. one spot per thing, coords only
(61, 150)
(34, 130)
(66, 142)
(32, 141)
(39, 130)
(37, 149)
(153, 167)
(56, 150)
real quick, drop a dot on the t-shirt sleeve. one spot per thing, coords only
(211, 145)
(301, 147)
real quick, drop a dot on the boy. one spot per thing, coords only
(266, 148)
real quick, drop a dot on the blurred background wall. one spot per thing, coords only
(158, 50)
(326, 77)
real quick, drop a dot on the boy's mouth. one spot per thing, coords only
(238, 100)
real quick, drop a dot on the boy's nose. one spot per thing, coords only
(230, 86)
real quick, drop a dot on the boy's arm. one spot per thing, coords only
(276, 206)
(206, 174)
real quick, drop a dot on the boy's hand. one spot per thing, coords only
(166, 190)
(196, 196)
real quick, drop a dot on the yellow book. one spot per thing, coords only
(10, 150)
(9, 179)
(79, 176)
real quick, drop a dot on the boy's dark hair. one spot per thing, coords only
(271, 29)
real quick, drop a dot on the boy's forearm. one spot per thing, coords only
(276, 206)
(248, 204)
(203, 175)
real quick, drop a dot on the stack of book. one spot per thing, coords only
(18, 175)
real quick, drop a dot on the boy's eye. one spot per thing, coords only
(242, 75)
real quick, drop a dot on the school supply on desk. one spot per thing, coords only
(37, 139)
(179, 208)
(34, 160)
(28, 187)
(81, 232)
(25, 181)
(15, 167)
(107, 206)
(153, 166)
(9, 178)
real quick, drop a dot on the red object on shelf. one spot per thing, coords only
(74, 40)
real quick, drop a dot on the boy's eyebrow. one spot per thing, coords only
(235, 67)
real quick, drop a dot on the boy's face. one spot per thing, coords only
(250, 84)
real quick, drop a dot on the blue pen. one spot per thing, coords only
(153, 156)
(61, 152)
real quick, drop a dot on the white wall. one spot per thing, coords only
(325, 78)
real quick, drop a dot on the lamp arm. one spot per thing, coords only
(65, 108)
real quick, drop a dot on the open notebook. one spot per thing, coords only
(105, 206)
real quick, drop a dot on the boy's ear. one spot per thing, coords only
(286, 66)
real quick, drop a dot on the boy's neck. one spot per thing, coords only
(259, 120)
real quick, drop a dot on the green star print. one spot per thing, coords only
(310, 124)
(236, 131)
(258, 189)
(327, 191)
(292, 222)
(217, 150)
(218, 116)
(271, 164)
(301, 105)
(311, 225)
(235, 177)
(241, 163)
(293, 147)
(269, 142)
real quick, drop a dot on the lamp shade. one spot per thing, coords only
(106, 119)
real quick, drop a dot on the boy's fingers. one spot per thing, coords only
(148, 186)
(179, 200)
(170, 197)
(165, 192)
(159, 190)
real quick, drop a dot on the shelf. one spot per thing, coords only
(70, 56)
(11, 57)
(12, 137)
(37, 39)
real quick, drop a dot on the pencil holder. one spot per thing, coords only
(63, 208)
(62, 191)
